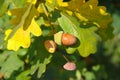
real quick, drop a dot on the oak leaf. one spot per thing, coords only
(25, 24)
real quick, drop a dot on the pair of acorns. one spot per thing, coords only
(60, 38)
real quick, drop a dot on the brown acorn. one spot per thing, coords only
(50, 46)
(68, 39)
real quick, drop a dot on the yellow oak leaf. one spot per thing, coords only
(39, 9)
(21, 38)
(103, 12)
(25, 24)
(61, 3)
(57, 3)
(33, 1)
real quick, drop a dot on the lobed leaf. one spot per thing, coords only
(91, 11)
(21, 37)
(86, 36)
(25, 24)
(11, 64)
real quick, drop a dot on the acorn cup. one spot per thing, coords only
(50, 46)
(66, 39)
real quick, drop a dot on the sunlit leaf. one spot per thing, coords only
(22, 37)
(33, 1)
(25, 24)
(86, 36)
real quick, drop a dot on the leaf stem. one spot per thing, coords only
(65, 58)
(63, 55)
(45, 10)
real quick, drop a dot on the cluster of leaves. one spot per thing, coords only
(24, 56)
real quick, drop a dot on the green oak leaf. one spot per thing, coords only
(4, 56)
(25, 75)
(86, 36)
(11, 64)
(42, 66)
(39, 57)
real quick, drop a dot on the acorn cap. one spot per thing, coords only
(50, 46)
(58, 37)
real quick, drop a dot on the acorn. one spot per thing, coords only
(68, 39)
(64, 39)
(50, 46)
(69, 66)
